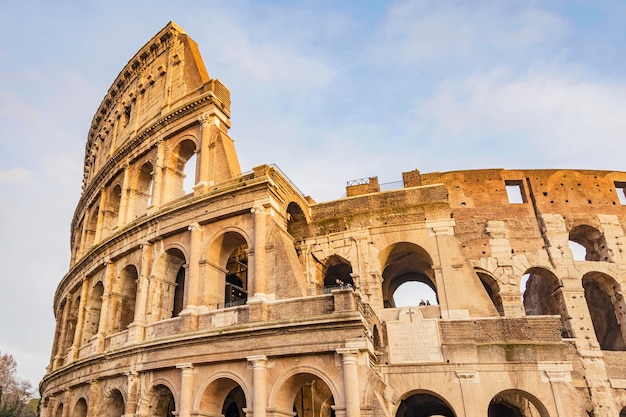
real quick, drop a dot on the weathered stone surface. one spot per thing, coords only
(240, 296)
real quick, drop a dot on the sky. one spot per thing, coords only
(330, 91)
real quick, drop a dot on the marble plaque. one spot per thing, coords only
(413, 339)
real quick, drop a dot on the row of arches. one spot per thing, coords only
(306, 395)
(155, 179)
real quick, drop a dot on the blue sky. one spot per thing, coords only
(330, 91)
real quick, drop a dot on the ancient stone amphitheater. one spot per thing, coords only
(197, 290)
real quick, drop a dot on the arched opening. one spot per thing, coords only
(80, 409)
(76, 247)
(189, 179)
(124, 300)
(541, 296)
(307, 395)
(170, 288)
(59, 411)
(72, 320)
(142, 190)
(160, 402)
(297, 225)
(92, 314)
(91, 226)
(223, 396)
(236, 285)
(623, 412)
(493, 290)
(515, 403)
(179, 292)
(181, 175)
(424, 405)
(112, 211)
(606, 306)
(408, 263)
(592, 240)
(337, 274)
(114, 404)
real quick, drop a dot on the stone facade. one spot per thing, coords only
(239, 296)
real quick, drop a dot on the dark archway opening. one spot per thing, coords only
(424, 405)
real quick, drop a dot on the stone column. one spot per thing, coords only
(95, 398)
(67, 403)
(136, 328)
(124, 200)
(101, 213)
(103, 323)
(349, 360)
(441, 229)
(63, 335)
(193, 270)
(259, 253)
(133, 390)
(259, 384)
(80, 321)
(158, 178)
(186, 389)
(203, 157)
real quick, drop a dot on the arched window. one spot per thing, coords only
(181, 175)
(80, 409)
(171, 271)
(493, 290)
(236, 286)
(114, 404)
(605, 303)
(409, 264)
(124, 301)
(142, 191)
(307, 395)
(297, 225)
(541, 296)
(159, 403)
(92, 314)
(223, 396)
(112, 212)
(592, 241)
(337, 273)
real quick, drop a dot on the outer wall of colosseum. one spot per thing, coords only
(197, 290)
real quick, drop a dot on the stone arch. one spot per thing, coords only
(80, 408)
(125, 298)
(169, 285)
(159, 402)
(516, 403)
(607, 309)
(91, 225)
(297, 224)
(58, 412)
(492, 288)
(592, 240)
(177, 161)
(71, 323)
(305, 393)
(112, 209)
(402, 263)
(224, 395)
(142, 190)
(622, 413)
(424, 403)
(93, 312)
(114, 404)
(542, 296)
(337, 273)
(227, 278)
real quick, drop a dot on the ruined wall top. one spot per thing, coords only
(165, 74)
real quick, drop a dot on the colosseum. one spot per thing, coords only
(198, 290)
